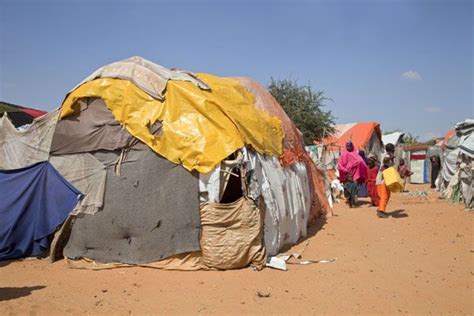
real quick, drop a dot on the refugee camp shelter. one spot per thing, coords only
(365, 136)
(394, 138)
(19, 115)
(416, 156)
(143, 165)
(457, 172)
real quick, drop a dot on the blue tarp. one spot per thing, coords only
(34, 201)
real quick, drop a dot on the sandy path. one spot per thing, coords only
(418, 263)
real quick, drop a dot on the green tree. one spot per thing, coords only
(408, 138)
(304, 106)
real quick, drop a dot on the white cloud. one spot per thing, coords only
(411, 75)
(433, 109)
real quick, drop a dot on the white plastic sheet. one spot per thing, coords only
(286, 193)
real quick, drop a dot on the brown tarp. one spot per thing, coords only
(232, 235)
(92, 128)
(293, 147)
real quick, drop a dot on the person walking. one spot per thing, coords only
(382, 189)
(404, 172)
(371, 180)
(435, 168)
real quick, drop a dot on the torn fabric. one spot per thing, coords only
(19, 149)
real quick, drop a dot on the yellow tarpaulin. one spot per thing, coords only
(200, 128)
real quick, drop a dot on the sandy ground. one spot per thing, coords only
(419, 261)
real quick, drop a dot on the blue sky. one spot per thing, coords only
(406, 64)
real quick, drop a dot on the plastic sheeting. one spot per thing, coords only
(287, 198)
(87, 174)
(209, 185)
(392, 138)
(19, 149)
(148, 76)
(467, 145)
(293, 147)
(361, 135)
(200, 128)
(35, 200)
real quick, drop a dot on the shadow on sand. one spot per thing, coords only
(397, 214)
(311, 232)
(11, 293)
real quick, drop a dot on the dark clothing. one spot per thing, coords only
(435, 168)
(350, 192)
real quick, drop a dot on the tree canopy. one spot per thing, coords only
(304, 106)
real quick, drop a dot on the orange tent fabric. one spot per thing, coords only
(293, 147)
(359, 133)
(448, 135)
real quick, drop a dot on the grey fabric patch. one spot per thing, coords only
(150, 212)
(92, 128)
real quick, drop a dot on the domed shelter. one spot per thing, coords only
(178, 170)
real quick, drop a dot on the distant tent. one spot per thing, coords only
(19, 115)
(394, 138)
(449, 134)
(417, 158)
(456, 176)
(365, 135)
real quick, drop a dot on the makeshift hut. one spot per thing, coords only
(417, 158)
(158, 167)
(456, 177)
(19, 115)
(365, 136)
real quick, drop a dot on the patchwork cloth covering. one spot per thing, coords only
(19, 149)
(34, 201)
(148, 76)
(150, 212)
(200, 128)
(93, 127)
(87, 174)
(231, 239)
